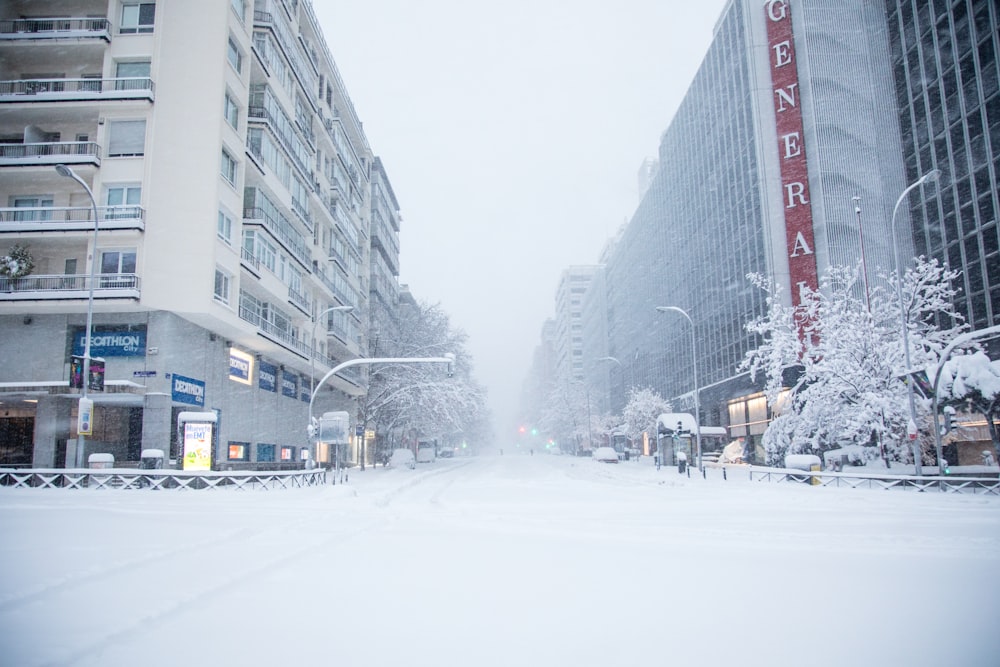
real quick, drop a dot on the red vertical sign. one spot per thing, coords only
(791, 149)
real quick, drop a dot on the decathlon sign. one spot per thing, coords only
(240, 366)
(120, 343)
(187, 390)
(799, 242)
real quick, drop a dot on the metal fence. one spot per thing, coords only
(946, 483)
(131, 478)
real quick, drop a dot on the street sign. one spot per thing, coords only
(144, 374)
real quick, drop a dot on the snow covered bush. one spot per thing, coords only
(973, 381)
(846, 355)
(17, 263)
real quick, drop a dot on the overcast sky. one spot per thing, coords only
(512, 133)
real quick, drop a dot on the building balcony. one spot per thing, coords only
(55, 28)
(250, 261)
(69, 287)
(274, 333)
(75, 90)
(280, 230)
(71, 219)
(50, 154)
(299, 300)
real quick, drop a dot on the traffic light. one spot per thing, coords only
(949, 418)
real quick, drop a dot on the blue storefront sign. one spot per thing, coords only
(267, 376)
(306, 392)
(121, 343)
(240, 366)
(187, 390)
(289, 384)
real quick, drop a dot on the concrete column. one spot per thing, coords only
(52, 424)
(156, 423)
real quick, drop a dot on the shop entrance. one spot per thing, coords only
(17, 437)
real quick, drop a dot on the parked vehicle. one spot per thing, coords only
(425, 452)
(605, 455)
(402, 458)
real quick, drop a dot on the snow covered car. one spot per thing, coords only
(605, 455)
(402, 458)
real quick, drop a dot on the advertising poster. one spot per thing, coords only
(197, 446)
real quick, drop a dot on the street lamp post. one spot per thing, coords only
(63, 170)
(912, 427)
(312, 352)
(861, 240)
(312, 426)
(694, 366)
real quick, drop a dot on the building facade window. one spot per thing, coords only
(118, 268)
(234, 56)
(137, 17)
(239, 451)
(30, 208)
(223, 286)
(132, 75)
(228, 167)
(126, 138)
(225, 226)
(231, 111)
(266, 452)
(239, 8)
(122, 201)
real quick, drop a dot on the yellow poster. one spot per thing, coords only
(197, 446)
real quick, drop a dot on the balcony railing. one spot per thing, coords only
(70, 218)
(250, 260)
(55, 28)
(280, 336)
(299, 300)
(72, 286)
(48, 90)
(292, 241)
(56, 152)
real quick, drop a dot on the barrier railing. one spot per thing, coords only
(946, 483)
(132, 478)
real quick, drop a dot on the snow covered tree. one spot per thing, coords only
(568, 413)
(421, 396)
(849, 357)
(973, 381)
(640, 413)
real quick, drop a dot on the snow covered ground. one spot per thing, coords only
(506, 560)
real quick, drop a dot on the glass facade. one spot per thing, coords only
(944, 57)
(694, 237)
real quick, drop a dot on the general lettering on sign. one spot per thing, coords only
(799, 239)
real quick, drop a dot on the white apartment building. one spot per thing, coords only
(231, 180)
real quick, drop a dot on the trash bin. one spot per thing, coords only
(806, 463)
(682, 461)
(151, 459)
(101, 460)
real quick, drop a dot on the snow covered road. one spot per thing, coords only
(513, 560)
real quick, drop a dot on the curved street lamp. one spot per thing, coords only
(65, 171)
(694, 366)
(932, 175)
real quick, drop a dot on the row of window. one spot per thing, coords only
(266, 453)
